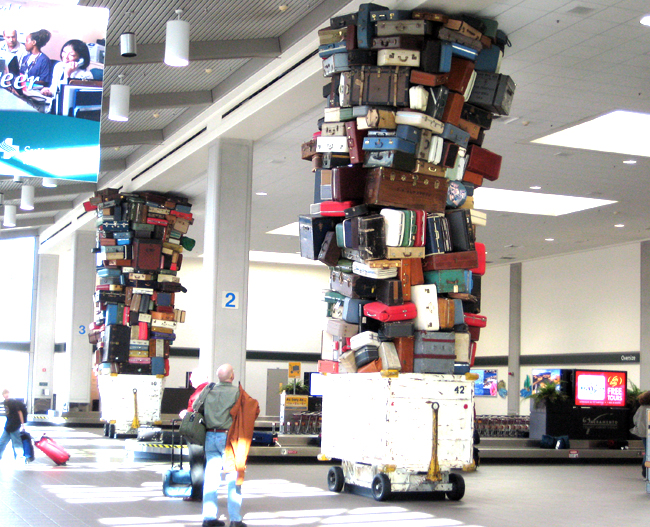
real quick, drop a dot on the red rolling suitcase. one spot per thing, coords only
(52, 450)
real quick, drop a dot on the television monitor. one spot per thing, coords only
(600, 388)
(316, 384)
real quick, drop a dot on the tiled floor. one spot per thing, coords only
(100, 486)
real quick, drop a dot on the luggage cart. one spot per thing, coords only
(403, 433)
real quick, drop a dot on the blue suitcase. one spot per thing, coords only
(388, 143)
(456, 135)
(177, 482)
(28, 446)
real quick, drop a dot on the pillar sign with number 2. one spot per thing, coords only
(230, 300)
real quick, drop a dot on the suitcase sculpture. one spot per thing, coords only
(407, 114)
(139, 252)
(52, 449)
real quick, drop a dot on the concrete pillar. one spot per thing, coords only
(514, 347)
(225, 255)
(78, 359)
(644, 325)
(44, 333)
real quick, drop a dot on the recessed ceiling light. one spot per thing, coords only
(208, 70)
(261, 194)
(646, 20)
(532, 202)
(535, 188)
(156, 115)
(549, 239)
(283, 7)
(619, 225)
(630, 162)
(602, 134)
(292, 229)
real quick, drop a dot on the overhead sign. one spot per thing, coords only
(295, 370)
(51, 87)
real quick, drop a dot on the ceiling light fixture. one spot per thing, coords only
(177, 42)
(645, 20)
(535, 188)
(128, 44)
(118, 107)
(18, 179)
(27, 197)
(619, 225)
(629, 162)
(261, 194)
(9, 219)
(49, 182)
(549, 239)
(2, 199)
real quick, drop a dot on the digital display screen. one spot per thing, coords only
(316, 384)
(600, 388)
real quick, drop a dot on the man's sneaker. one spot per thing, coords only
(213, 523)
(237, 524)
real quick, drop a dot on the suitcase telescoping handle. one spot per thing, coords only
(180, 442)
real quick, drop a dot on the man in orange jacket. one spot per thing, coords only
(230, 415)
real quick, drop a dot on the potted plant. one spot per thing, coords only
(549, 411)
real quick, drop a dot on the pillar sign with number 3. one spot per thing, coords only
(230, 300)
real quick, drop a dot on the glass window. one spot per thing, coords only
(16, 284)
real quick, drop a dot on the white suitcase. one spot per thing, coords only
(373, 272)
(347, 364)
(421, 120)
(418, 98)
(332, 144)
(425, 298)
(463, 344)
(398, 57)
(393, 226)
(470, 86)
(367, 338)
(456, 173)
(333, 129)
(389, 357)
(435, 150)
(403, 27)
(478, 217)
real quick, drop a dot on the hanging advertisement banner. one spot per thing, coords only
(51, 79)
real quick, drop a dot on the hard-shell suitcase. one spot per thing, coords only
(384, 313)
(425, 298)
(389, 358)
(51, 449)
(367, 338)
(434, 352)
(177, 483)
(366, 355)
(391, 330)
(28, 446)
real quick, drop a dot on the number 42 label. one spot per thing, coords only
(230, 300)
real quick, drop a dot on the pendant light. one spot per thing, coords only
(27, 197)
(49, 182)
(9, 216)
(128, 44)
(118, 107)
(177, 42)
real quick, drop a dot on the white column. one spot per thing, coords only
(514, 341)
(225, 255)
(644, 337)
(78, 351)
(44, 333)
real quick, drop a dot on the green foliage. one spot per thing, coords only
(547, 393)
(633, 392)
(301, 388)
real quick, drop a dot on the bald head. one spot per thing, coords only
(11, 38)
(225, 373)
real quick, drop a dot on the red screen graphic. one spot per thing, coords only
(600, 388)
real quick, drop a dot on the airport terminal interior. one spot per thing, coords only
(558, 291)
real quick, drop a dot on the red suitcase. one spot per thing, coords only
(380, 311)
(52, 450)
(481, 254)
(478, 321)
(472, 353)
(336, 208)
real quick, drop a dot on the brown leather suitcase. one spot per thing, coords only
(473, 177)
(460, 74)
(371, 367)
(429, 169)
(355, 142)
(329, 252)
(394, 188)
(474, 130)
(348, 183)
(146, 254)
(428, 79)
(398, 42)
(405, 347)
(446, 313)
(483, 162)
(444, 261)
(390, 292)
(453, 108)
(381, 86)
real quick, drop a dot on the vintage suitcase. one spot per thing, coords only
(398, 42)
(380, 86)
(456, 260)
(434, 352)
(117, 338)
(367, 338)
(450, 35)
(389, 143)
(332, 143)
(456, 135)
(329, 252)
(463, 51)
(436, 57)
(394, 188)
(335, 63)
(365, 26)
(347, 363)
(325, 50)
(456, 194)
(312, 234)
(475, 320)
(428, 79)
(453, 108)
(355, 142)
(410, 275)
(474, 178)
(389, 159)
(382, 312)
(476, 115)
(348, 183)
(435, 150)
(331, 35)
(146, 254)
(425, 168)
(336, 208)
(460, 228)
(325, 185)
(365, 355)
(446, 313)
(437, 102)
(394, 222)
(489, 60)
(379, 118)
(483, 162)
(464, 27)
(349, 19)
(398, 57)
(391, 330)
(460, 74)
(362, 57)
(328, 366)
(372, 367)
(450, 280)
(474, 130)
(353, 309)
(425, 298)
(403, 27)
(353, 285)
(394, 14)
(389, 292)
(493, 92)
(404, 347)
(481, 254)
(340, 328)
(420, 120)
(389, 357)
(423, 145)
(328, 129)
(400, 253)
(372, 238)
(374, 272)
(438, 236)
(462, 348)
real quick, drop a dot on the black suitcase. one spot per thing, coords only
(391, 330)
(177, 483)
(372, 237)
(117, 340)
(366, 355)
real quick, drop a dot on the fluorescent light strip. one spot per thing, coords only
(533, 202)
(603, 134)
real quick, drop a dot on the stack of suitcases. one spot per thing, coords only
(141, 237)
(396, 160)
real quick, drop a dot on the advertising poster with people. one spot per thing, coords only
(486, 384)
(52, 72)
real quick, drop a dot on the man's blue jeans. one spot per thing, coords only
(215, 445)
(15, 440)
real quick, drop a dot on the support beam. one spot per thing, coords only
(50, 206)
(160, 101)
(8, 234)
(145, 137)
(63, 190)
(207, 50)
(110, 165)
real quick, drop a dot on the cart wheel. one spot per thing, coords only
(458, 487)
(335, 479)
(111, 430)
(381, 487)
(106, 426)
